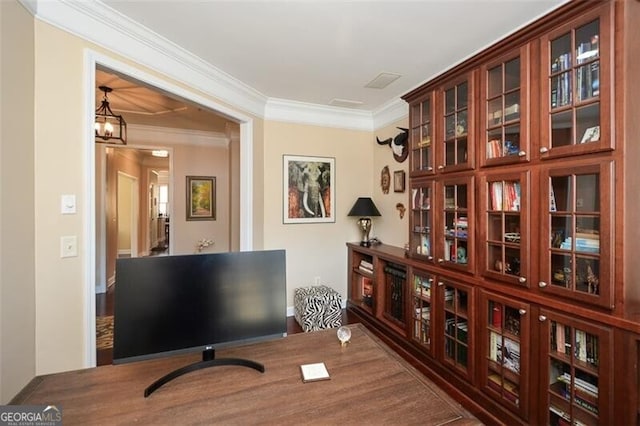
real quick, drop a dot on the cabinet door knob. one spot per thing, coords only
(440, 260)
(522, 280)
(542, 284)
(544, 150)
(542, 318)
(522, 153)
(430, 169)
(440, 167)
(430, 257)
(430, 280)
(440, 283)
(522, 311)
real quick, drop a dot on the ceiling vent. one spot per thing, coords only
(382, 80)
(345, 103)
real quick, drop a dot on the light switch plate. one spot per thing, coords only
(68, 204)
(69, 246)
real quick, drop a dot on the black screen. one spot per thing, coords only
(173, 304)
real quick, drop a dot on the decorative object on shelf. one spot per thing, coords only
(385, 179)
(201, 198)
(364, 207)
(398, 144)
(309, 189)
(344, 335)
(109, 127)
(203, 244)
(398, 181)
(401, 208)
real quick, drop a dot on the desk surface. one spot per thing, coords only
(369, 384)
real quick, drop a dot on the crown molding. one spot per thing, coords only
(99, 24)
(389, 113)
(318, 115)
(173, 136)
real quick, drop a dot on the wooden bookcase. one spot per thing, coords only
(523, 225)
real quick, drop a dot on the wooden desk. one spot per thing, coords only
(370, 384)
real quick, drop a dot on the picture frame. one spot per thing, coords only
(398, 181)
(201, 198)
(308, 189)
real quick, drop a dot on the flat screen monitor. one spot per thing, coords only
(167, 305)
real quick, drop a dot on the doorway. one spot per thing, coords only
(240, 133)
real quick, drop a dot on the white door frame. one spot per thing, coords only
(92, 59)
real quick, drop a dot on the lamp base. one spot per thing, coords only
(365, 243)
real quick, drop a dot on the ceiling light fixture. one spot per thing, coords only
(109, 127)
(162, 153)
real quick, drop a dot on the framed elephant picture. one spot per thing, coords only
(309, 189)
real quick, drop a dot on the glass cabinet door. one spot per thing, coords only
(421, 137)
(457, 238)
(506, 351)
(576, 60)
(421, 239)
(505, 225)
(456, 303)
(456, 149)
(423, 282)
(504, 93)
(577, 234)
(578, 371)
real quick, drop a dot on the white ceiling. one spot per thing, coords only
(318, 51)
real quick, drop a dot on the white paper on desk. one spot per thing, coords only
(313, 372)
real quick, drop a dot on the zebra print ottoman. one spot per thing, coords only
(317, 307)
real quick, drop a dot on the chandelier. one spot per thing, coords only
(109, 127)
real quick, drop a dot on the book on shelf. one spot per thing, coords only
(367, 286)
(496, 315)
(498, 384)
(366, 266)
(552, 199)
(314, 372)
(493, 346)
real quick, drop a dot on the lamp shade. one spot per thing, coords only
(364, 207)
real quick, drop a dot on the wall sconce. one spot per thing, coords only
(364, 207)
(109, 127)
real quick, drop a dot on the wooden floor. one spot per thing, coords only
(369, 384)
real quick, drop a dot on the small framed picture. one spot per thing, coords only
(201, 198)
(398, 181)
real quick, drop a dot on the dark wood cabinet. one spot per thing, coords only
(521, 292)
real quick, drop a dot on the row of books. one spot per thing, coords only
(561, 90)
(457, 329)
(588, 81)
(585, 348)
(580, 384)
(588, 244)
(424, 313)
(497, 148)
(505, 196)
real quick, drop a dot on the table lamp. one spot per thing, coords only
(364, 208)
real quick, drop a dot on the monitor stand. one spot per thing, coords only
(208, 360)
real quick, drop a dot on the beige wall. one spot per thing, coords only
(316, 249)
(389, 227)
(200, 161)
(17, 259)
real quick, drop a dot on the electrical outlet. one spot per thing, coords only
(69, 246)
(317, 280)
